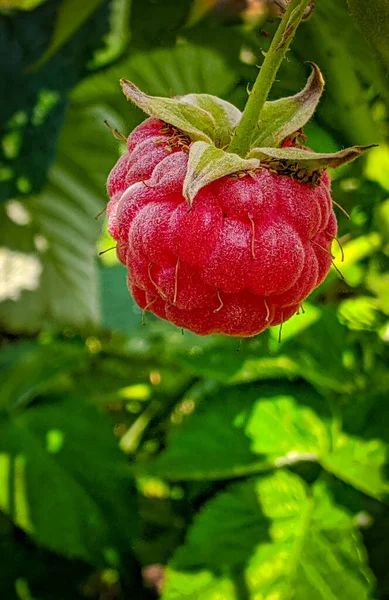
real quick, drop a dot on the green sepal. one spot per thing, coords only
(225, 114)
(307, 160)
(208, 163)
(281, 118)
(201, 116)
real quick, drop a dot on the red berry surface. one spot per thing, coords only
(243, 257)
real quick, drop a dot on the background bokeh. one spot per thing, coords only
(139, 460)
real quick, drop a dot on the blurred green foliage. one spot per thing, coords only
(242, 469)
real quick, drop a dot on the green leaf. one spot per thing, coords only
(248, 429)
(227, 363)
(28, 369)
(349, 69)
(119, 311)
(360, 452)
(377, 170)
(376, 540)
(24, 573)
(373, 20)
(32, 115)
(21, 4)
(48, 254)
(156, 22)
(298, 355)
(199, 9)
(361, 463)
(281, 118)
(361, 313)
(64, 481)
(70, 17)
(50, 273)
(271, 537)
(181, 70)
(295, 327)
(323, 365)
(244, 430)
(306, 160)
(208, 163)
(117, 39)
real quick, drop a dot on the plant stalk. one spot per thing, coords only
(283, 37)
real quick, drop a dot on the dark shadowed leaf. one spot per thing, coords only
(65, 482)
(24, 569)
(360, 453)
(70, 16)
(156, 22)
(332, 40)
(373, 20)
(33, 110)
(28, 369)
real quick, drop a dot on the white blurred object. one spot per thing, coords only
(18, 272)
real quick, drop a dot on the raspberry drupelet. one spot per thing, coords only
(243, 257)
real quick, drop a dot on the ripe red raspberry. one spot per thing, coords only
(251, 248)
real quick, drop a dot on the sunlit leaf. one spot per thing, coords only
(271, 537)
(245, 430)
(116, 41)
(21, 4)
(377, 165)
(361, 313)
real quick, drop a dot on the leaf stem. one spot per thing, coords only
(248, 125)
(130, 441)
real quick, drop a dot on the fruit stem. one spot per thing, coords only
(283, 37)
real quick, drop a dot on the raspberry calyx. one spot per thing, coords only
(219, 241)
